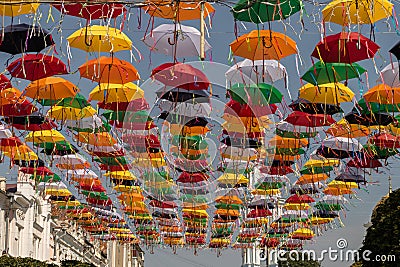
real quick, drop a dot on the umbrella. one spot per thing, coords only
(345, 12)
(330, 93)
(311, 178)
(299, 199)
(259, 11)
(108, 92)
(68, 113)
(91, 11)
(77, 101)
(307, 106)
(182, 76)
(383, 94)
(4, 82)
(11, 9)
(263, 44)
(370, 119)
(342, 143)
(36, 66)
(184, 95)
(346, 129)
(248, 71)
(309, 120)
(44, 136)
(177, 11)
(373, 107)
(99, 39)
(175, 40)
(23, 38)
(261, 94)
(52, 88)
(322, 73)
(345, 48)
(109, 70)
(395, 50)
(390, 74)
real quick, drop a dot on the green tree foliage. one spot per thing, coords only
(383, 236)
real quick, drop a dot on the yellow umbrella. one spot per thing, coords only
(312, 178)
(110, 92)
(317, 163)
(99, 39)
(58, 192)
(96, 139)
(232, 178)
(342, 184)
(329, 93)
(345, 12)
(268, 192)
(68, 113)
(15, 8)
(123, 175)
(303, 233)
(297, 206)
(383, 94)
(20, 153)
(319, 220)
(50, 136)
(53, 88)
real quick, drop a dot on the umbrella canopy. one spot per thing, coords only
(346, 129)
(22, 38)
(345, 47)
(322, 73)
(99, 39)
(263, 44)
(309, 120)
(4, 82)
(91, 11)
(52, 88)
(390, 74)
(36, 66)
(330, 93)
(395, 50)
(68, 113)
(178, 11)
(182, 76)
(259, 11)
(300, 199)
(77, 101)
(173, 40)
(307, 106)
(261, 94)
(11, 9)
(346, 12)
(342, 143)
(109, 70)
(383, 94)
(248, 71)
(108, 92)
(44, 136)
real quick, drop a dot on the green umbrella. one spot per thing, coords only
(161, 176)
(105, 127)
(97, 195)
(287, 151)
(380, 152)
(61, 145)
(295, 134)
(47, 178)
(78, 101)
(257, 94)
(258, 11)
(316, 170)
(128, 116)
(268, 185)
(375, 107)
(112, 161)
(190, 142)
(328, 207)
(228, 206)
(322, 73)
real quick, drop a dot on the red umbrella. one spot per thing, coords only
(181, 75)
(163, 204)
(42, 171)
(196, 177)
(88, 187)
(309, 120)
(36, 66)
(298, 199)
(257, 213)
(91, 11)
(23, 108)
(47, 125)
(243, 110)
(133, 106)
(99, 202)
(345, 47)
(364, 163)
(11, 141)
(277, 170)
(385, 140)
(4, 82)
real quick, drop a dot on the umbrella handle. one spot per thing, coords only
(87, 41)
(169, 40)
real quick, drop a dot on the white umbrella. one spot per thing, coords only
(334, 199)
(185, 108)
(342, 143)
(57, 185)
(236, 164)
(288, 127)
(248, 71)
(238, 151)
(187, 42)
(73, 159)
(86, 123)
(4, 132)
(390, 75)
(290, 214)
(82, 173)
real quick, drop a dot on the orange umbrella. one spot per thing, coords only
(96, 139)
(345, 129)
(263, 44)
(10, 96)
(178, 11)
(312, 178)
(285, 142)
(51, 88)
(383, 94)
(109, 70)
(337, 191)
